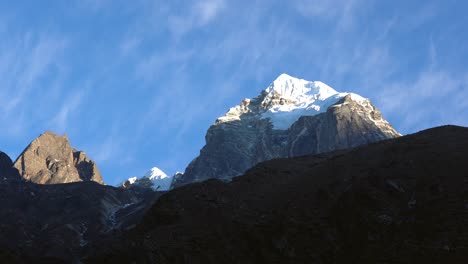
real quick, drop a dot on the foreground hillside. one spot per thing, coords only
(58, 223)
(403, 200)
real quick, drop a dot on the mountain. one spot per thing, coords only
(291, 117)
(155, 179)
(50, 159)
(402, 200)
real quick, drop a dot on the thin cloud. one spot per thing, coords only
(29, 63)
(342, 12)
(68, 109)
(206, 11)
(430, 99)
(198, 15)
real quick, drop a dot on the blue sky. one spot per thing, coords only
(136, 84)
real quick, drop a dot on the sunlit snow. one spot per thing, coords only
(155, 173)
(309, 98)
(132, 180)
(160, 180)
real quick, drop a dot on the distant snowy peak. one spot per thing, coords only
(288, 98)
(155, 179)
(155, 173)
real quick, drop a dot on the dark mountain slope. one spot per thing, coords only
(61, 221)
(403, 200)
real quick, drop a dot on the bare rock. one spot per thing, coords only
(50, 159)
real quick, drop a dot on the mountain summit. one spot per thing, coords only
(50, 159)
(291, 117)
(288, 98)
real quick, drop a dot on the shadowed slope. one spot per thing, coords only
(403, 200)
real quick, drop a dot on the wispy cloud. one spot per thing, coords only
(69, 108)
(431, 99)
(200, 14)
(27, 62)
(207, 10)
(151, 67)
(342, 12)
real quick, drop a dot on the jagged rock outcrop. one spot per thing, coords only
(50, 159)
(292, 117)
(7, 171)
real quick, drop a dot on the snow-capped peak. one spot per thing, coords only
(288, 98)
(155, 173)
(298, 89)
(291, 98)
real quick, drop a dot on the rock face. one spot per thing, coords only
(7, 171)
(291, 117)
(398, 201)
(50, 159)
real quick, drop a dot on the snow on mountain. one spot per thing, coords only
(132, 180)
(298, 97)
(155, 174)
(161, 181)
(287, 99)
(154, 178)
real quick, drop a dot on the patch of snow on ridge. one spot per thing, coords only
(132, 180)
(304, 98)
